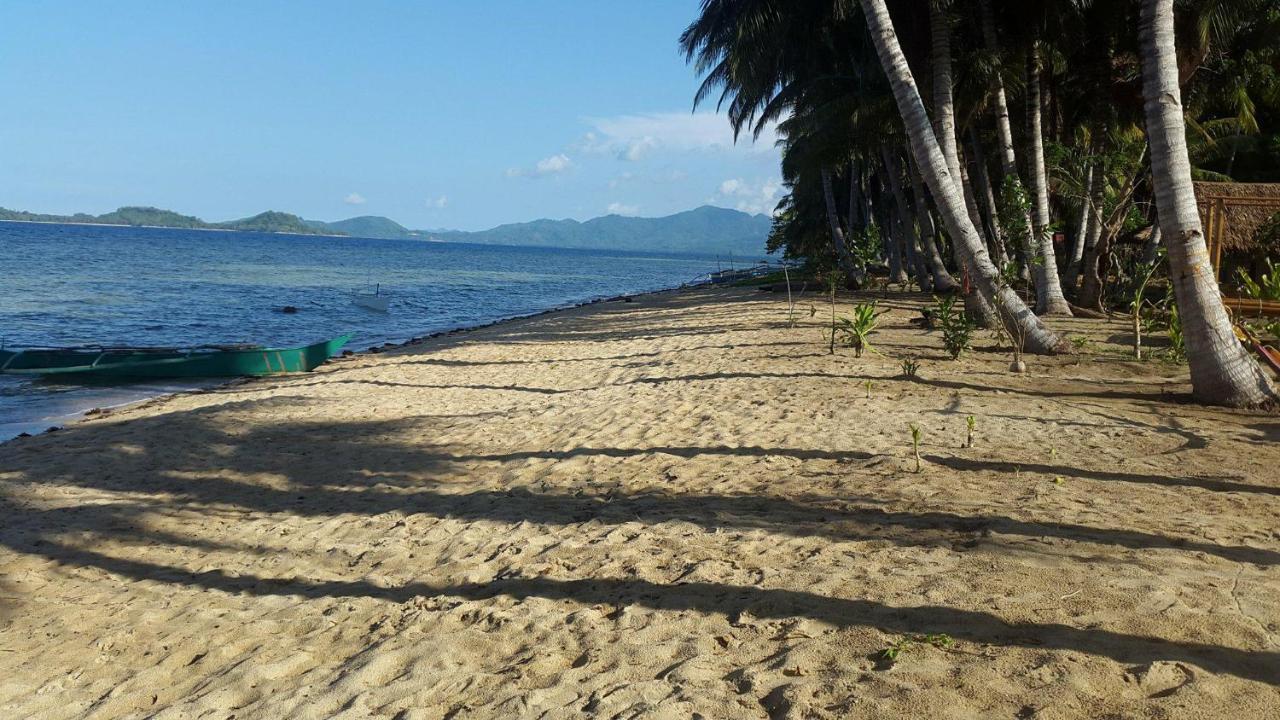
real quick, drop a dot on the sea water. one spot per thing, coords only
(68, 285)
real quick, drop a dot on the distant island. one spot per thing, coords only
(270, 221)
(707, 229)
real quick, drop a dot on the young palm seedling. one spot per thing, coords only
(854, 331)
(910, 366)
(915, 443)
(970, 422)
(868, 384)
(957, 327)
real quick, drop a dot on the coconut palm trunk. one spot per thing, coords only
(1004, 135)
(1018, 318)
(910, 238)
(1072, 274)
(945, 131)
(843, 254)
(942, 280)
(855, 199)
(983, 179)
(1222, 373)
(1049, 297)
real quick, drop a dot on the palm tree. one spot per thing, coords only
(946, 189)
(1222, 373)
(1049, 298)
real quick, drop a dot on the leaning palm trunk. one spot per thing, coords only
(1072, 275)
(1049, 298)
(942, 280)
(1018, 319)
(845, 257)
(1222, 373)
(983, 178)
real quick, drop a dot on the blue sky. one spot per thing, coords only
(436, 114)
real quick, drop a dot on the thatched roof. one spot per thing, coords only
(1249, 206)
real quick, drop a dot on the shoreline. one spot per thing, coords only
(55, 423)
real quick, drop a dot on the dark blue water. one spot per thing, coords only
(80, 284)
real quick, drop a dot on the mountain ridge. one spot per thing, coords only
(706, 229)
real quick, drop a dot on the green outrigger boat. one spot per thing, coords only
(132, 362)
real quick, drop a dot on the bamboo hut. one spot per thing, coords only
(1242, 229)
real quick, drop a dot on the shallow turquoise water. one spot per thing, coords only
(80, 284)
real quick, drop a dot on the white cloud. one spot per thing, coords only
(438, 202)
(633, 137)
(354, 199)
(758, 197)
(620, 209)
(553, 165)
(624, 177)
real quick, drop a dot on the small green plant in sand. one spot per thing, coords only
(915, 443)
(1136, 304)
(833, 280)
(867, 383)
(970, 423)
(895, 652)
(1177, 343)
(957, 327)
(910, 366)
(1080, 342)
(854, 331)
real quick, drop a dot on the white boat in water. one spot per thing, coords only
(376, 301)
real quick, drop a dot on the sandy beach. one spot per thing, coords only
(677, 507)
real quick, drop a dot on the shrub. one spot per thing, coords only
(957, 327)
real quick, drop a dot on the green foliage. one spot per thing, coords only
(896, 651)
(970, 423)
(957, 327)
(1177, 343)
(854, 331)
(1266, 287)
(910, 366)
(1270, 327)
(868, 385)
(1013, 208)
(865, 246)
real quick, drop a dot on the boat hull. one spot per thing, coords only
(169, 364)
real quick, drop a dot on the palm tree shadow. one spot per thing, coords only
(729, 601)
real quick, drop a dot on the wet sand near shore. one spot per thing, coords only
(676, 507)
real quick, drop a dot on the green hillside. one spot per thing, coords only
(707, 229)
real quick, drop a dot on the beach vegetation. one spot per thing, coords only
(854, 331)
(956, 326)
(910, 367)
(883, 139)
(900, 647)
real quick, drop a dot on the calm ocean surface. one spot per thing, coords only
(80, 284)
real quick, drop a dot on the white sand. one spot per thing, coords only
(669, 509)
